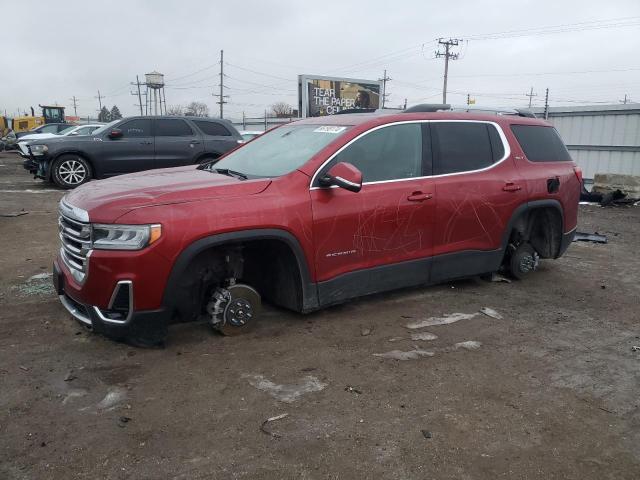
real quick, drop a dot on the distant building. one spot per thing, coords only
(602, 138)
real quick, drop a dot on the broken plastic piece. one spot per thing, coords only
(263, 428)
(589, 237)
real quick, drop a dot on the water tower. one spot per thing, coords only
(155, 96)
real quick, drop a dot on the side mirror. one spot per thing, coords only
(343, 175)
(115, 133)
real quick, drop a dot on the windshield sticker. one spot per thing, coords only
(329, 129)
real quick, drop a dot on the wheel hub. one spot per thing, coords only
(72, 172)
(233, 309)
(528, 263)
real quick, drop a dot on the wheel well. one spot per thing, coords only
(80, 154)
(268, 265)
(542, 228)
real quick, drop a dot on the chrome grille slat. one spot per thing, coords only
(75, 239)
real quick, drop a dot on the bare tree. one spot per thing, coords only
(175, 110)
(197, 109)
(281, 109)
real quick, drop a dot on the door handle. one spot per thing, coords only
(511, 187)
(146, 143)
(419, 197)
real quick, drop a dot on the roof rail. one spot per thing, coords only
(436, 107)
(427, 107)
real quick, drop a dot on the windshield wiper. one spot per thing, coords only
(231, 173)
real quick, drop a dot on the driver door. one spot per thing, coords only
(132, 152)
(362, 239)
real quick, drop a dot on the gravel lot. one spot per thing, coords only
(550, 390)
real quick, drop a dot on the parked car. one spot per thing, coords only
(314, 213)
(71, 130)
(248, 135)
(130, 145)
(46, 128)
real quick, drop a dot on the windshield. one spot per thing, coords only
(67, 130)
(280, 151)
(104, 128)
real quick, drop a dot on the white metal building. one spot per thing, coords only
(601, 139)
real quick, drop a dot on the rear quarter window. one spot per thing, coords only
(213, 128)
(541, 143)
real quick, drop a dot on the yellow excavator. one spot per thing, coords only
(50, 114)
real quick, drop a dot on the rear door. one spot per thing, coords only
(176, 143)
(218, 139)
(132, 152)
(388, 222)
(477, 188)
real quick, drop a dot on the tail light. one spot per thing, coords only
(578, 171)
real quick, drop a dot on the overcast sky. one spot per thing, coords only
(55, 50)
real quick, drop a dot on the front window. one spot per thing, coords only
(281, 150)
(105, 128)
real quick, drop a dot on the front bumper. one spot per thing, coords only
(38, 168)
(143, 327)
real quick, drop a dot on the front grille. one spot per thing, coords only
(75, 238)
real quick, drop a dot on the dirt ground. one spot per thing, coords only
(550, 390)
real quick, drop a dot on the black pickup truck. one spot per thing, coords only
(130, 145)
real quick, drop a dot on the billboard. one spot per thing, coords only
(319, 96)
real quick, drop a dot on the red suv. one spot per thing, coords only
(315, 213)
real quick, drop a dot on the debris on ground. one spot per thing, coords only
(14, 214)
(351, 389)
(263, 427)
(112, 398)
(496, 277)
(423, 336)
(468, 345)
(366, 331)
(409, 355)
(69, 376)
(635, 348)
(427, 434)
(75, 393)
(39, 276)
(122, 421)
(490, 312)
(286, 393)
(395, 339)
(589, 237)
(444, 320)
(22, 367)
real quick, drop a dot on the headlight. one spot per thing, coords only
(124, 237)
(39, 149)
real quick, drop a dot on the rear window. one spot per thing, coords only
(172, 128)
(464, 146)
(540, 143)
(213, 128)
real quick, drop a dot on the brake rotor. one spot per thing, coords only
(241, 309)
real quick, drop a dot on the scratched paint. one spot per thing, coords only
(286, 393)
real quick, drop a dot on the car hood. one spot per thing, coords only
(107, 200)
(37, 136)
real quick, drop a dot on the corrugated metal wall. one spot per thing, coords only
(601, 139)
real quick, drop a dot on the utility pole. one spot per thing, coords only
(75, 105)
(531, 95)
(221, 96)
(468, 99)
(546, 105)
(452, 42)
(384, 81)
(626, 99)
(99, 97)
(405, 103)
(138, 94)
